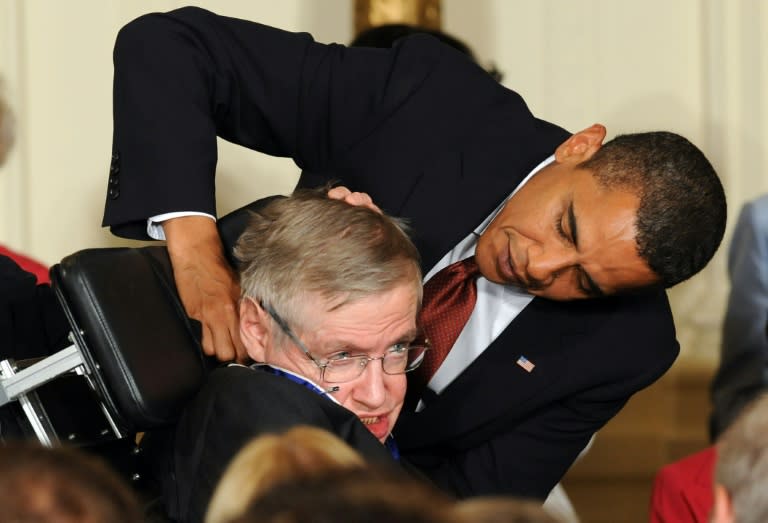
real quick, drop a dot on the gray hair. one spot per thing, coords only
(7, 135)
(742, 462)
(309, 244)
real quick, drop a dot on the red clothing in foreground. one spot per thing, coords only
(28, 264)
(682, 491)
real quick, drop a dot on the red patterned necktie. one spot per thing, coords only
(449, 297)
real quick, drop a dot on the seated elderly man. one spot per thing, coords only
(328, 313)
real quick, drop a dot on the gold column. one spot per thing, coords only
(372, 13)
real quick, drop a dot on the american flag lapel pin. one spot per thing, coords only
(525, 364)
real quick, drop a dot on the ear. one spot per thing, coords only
(254, 329)
(722, 508)
(582, 145)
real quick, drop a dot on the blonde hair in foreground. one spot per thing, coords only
(272, 459)
(502, 509)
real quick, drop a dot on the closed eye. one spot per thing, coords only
(559, 228)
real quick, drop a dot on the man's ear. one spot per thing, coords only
(582, 145)
(722, 508)
(254, 329)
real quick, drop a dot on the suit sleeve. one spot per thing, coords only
(743, 370)
(184, 77)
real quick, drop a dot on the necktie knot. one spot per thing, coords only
(449, 298)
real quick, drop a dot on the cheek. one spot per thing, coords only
(344, 396)
(396, 385)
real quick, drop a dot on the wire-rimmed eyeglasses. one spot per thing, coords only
(343, 367)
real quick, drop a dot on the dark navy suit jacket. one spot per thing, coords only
(432, 138)
(32, 323)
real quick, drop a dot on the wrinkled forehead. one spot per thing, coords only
(367, 322)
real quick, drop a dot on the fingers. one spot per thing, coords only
(359, 199)
(207, 285)
(339, 193)
(221, 333)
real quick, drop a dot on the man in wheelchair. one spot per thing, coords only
(328, 313)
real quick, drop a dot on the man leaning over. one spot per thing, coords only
(575, 239)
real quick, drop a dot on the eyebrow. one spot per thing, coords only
(593, 289)
(337, 345)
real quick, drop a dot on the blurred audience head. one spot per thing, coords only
(369, 495)
(274, 459)
(741, 472)
(502, 509)
(6, 127)
(61, 485)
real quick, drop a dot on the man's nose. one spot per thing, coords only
(371, 391)
(545, 262)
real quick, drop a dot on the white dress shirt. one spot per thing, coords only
(497, 305)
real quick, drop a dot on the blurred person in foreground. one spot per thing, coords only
(61, 485)
(32, 323)
(368, 495)
(741, 471)
(7, 138)
(743, 370)
(272, 459)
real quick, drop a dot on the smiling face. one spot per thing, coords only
(563, 236)
(369, 326)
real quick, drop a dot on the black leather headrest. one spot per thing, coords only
(124, 309)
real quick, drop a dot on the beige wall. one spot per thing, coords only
(693, 66)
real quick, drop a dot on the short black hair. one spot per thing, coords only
(682, 213)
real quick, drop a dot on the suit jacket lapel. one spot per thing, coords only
(495, 386)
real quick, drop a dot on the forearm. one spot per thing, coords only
(192, 238)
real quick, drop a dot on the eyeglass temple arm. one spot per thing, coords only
(286, 329)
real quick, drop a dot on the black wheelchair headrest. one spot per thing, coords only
(126, 315)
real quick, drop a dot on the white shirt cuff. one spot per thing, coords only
(155, 223)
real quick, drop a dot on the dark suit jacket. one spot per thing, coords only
(432, 138)
(235, 405)
(32, 323)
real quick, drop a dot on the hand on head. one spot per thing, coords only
(353, 198)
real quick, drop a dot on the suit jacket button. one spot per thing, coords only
(113, 181)
(115, 156)
(113, 192)
(114, 168)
